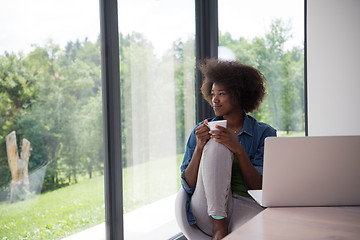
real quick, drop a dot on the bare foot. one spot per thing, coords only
(220, 229)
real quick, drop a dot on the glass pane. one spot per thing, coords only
(51, 150)
(157, 62)
(269, 35)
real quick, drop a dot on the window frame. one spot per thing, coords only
(206, 22)
(110, 70)
(207, 41)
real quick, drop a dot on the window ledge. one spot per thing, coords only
(153, 221)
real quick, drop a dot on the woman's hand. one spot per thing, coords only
(226, 137)
(202, 135)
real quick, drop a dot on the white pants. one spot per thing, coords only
(213, 195)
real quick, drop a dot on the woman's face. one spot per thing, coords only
(221, 100)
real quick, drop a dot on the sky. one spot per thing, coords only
(252, 18)
(27, 22)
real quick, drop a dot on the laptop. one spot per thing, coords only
(310, 171)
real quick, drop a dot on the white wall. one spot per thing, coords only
(333, 62)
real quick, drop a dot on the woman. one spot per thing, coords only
(219, 166)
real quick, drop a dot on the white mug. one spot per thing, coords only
(212, 124)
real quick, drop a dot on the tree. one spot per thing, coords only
(17, 94)
(283, 69)
(52, 97)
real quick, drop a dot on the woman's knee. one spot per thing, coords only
(214, 148)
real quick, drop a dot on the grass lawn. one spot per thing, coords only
(56, 214)
(60, 213)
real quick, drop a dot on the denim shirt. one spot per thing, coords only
(251, 137)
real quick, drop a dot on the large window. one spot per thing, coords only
(51, 120)
(157, 72)
(51, 183)
(269, 35)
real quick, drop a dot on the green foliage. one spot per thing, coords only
(284, 70)
(53, 97)
(17, 92)
(179, 96)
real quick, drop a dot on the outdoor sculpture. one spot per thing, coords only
(19, 188)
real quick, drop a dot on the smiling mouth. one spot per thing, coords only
(217, 106)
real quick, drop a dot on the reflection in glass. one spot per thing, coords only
(157, 62)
